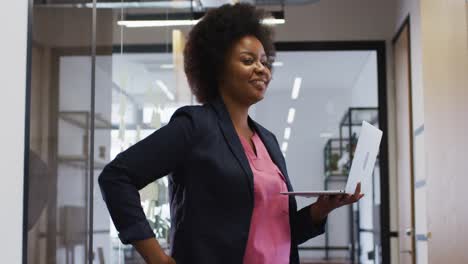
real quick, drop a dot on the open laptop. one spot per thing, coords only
(363, 162)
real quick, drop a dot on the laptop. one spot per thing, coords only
(362, 166)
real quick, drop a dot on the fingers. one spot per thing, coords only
(357, 191)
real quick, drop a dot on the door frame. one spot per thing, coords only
(406, 24)
(379, 48)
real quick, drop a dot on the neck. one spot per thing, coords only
(238, 112)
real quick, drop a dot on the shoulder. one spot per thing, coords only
(201, 117)
(195, 112)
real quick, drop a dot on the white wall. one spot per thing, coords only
(13, 64)
(444, 34)
(439, 56)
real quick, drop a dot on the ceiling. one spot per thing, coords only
(171, 4)
(318, 70)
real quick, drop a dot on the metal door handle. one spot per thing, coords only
(409, 231)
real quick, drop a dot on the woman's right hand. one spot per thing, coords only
(169, 260)
(152, 252)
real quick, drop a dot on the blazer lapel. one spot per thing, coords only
(233, 140)
(273, 149)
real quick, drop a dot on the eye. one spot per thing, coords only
(248, 61)
(268, 64)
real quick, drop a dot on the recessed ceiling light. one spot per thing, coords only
(296, 88)
(291, 114)
(277, 63)
(284, 146)
(287, 133)
(326, 135)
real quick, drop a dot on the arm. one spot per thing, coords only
(148, 160)
(308, 224)
(311, 220)
(152, 252)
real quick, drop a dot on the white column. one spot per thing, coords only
(13, 50)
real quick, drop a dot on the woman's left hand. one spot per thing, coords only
(327, 203)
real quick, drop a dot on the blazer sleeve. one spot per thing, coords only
(303, 228)
(148, 160)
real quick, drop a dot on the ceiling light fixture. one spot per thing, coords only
(164, 88)
(182, 19)
(277, 64)
(326, 135)
(284, 146)
(142, 4)
(291, 114)
(296, 88)
(167, 66)
(287, 133)
(156, 23)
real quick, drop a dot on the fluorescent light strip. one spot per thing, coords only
(147, 4)
(167, 66)
(296, 88)
(170, 23)
(155, 23)
(277, 64)
(273, 21)
(165, 90)
(291, 114)
(287, 133)
(326, 135)
(284, 146)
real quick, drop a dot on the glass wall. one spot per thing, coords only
(98, 86)
(95, 93)
(60, 131)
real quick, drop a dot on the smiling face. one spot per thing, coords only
(247, 72)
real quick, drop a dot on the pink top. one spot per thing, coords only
(270, 236)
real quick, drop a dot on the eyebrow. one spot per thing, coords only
(253, 54)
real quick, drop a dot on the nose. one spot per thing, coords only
(260, 68)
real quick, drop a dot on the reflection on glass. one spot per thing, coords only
(138, 88)
(59, 135)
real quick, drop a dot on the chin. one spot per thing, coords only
(258, 98)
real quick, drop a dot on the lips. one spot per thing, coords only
(261, 84)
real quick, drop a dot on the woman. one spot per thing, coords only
(225, 171)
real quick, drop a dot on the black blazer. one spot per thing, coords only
(210, 187)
